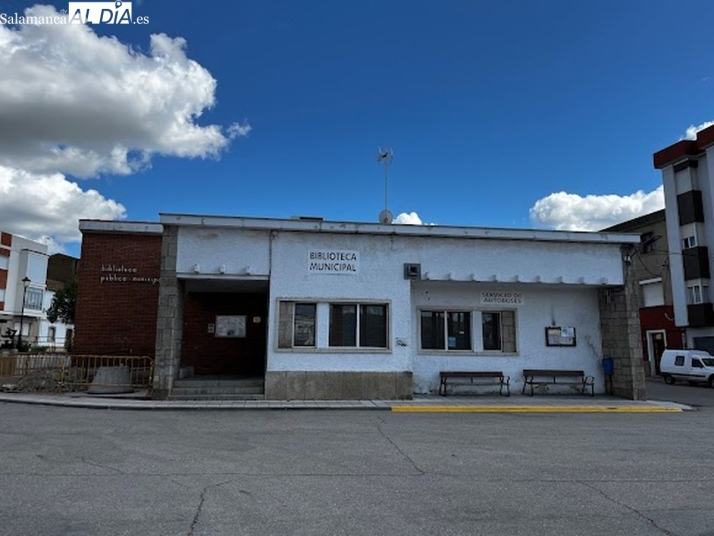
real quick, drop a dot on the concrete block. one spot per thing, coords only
(275, 385)
(332, 385)
(387, 386)
(314, 386)
(295, 385)
(404, 385)
(370, 385)
(352, 385)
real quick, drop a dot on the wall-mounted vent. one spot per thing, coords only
(412, 271)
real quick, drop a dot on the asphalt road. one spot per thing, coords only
(698, 396)
(68, 471)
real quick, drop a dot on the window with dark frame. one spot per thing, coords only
(446, 330)
(363, 323)
(491, 328)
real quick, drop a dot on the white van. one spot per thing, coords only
(692, 366)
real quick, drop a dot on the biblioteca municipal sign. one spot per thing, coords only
(332, 261)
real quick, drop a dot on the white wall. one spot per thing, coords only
(674, 244)
(380, 277)
(239, 251)
(543, 306)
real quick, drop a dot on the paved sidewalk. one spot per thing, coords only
(460, 404)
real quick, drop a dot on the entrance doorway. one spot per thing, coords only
(656, 345)
(225, 328)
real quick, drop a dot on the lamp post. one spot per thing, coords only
(25, 283)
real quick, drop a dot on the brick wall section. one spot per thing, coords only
(620, 327)
(209, 354)
(117, 317)
(6, 239)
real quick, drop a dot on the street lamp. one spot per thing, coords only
(25, 283)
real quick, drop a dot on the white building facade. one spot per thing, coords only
(354, 310)
(21, 259)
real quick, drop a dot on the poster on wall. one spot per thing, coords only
(231, 327)
(560, 336)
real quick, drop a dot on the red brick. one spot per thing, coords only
(117, 317)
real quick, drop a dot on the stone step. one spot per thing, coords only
(204, 384)
(218, 397)
(214, 391)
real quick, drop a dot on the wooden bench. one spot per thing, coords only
(551, 376)
(496, 377)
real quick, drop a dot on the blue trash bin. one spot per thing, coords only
(608, 366)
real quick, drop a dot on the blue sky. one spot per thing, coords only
(489, 108)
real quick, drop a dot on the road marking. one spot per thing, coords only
(534, 409)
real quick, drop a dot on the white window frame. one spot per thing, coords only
(36, 291)
(358, 326)
(689, 242)
(697, 293)
(446, 312)
(292, 319)
(322, 326)
(500, 350)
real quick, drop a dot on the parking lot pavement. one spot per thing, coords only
(697, 396)
(78, 471)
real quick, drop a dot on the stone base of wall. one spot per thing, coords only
(338, 385)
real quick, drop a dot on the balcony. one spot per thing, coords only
(690, 207)
(696, 263)
(700, 315)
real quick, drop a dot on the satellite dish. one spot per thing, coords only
(386, 217)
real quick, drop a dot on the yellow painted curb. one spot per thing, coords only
(534, 409)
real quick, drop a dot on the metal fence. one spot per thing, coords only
(100, 374)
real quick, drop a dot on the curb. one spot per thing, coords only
(534, 409)
(396, 407)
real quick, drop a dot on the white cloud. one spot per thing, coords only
(237, 130)
(39, 205)
(563, 211)
(408, 218)
(691, 133)
(77, 103)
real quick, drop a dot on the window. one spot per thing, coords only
(4, 262)
(2, 294)
(697, 294)
(297, 326)
(33, 299)
(358, 325)
(499, 330)
(652, 292)
(679, 361)
(446, 330)
(689, 242)
(697, 364)
(51, 334)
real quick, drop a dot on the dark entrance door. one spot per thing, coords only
(658, 347)
(225, 333)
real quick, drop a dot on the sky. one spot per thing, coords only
(510, 114)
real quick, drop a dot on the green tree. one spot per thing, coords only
(64, 303)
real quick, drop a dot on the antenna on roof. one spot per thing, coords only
(385, 157)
